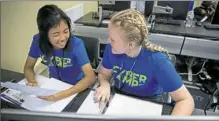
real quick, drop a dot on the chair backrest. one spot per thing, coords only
(92, 47)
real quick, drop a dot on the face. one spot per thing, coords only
(117, 40)
(59, 35)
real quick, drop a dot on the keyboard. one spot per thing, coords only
(211, 26)
(168, 22)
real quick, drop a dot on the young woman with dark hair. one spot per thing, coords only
(63, 53)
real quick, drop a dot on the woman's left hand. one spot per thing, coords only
(52, 98)
(56, 97)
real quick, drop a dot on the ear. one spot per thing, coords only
(131, 45)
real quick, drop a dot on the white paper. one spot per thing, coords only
(89, 106)
(29, 89)
(46, 85)
(124, 105)
(40, 80)
(55, 84)
(57, 106)
(35, 104)
(47, 106)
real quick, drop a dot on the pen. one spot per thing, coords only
(103, 106)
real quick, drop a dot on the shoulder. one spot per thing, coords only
(157, 59)
(108, 52)
(155, 55)
(36, 38)
(108, 48)
(76, 44)
(76, 41)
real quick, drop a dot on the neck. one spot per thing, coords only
(135, 52)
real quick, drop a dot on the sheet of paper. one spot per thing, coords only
(29, 90)
(35, 104)
(40, 80)
(89, 106)
(55, 84)
(57, 106)
(124, 105)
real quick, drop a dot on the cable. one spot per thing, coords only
(149, 17)
(201, 70)
(152, 27)
(205, 108)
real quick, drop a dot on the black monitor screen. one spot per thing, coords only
(180, 8)
(215, 19)
(118, 6)
(24, 115)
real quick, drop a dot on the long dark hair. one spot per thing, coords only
(49, 16)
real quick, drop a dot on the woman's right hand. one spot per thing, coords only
(102, 93)
(32, 83)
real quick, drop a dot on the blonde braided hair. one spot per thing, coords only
(134, 24)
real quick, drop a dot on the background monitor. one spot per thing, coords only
(215, 19)
(118, 6)
(180, 9)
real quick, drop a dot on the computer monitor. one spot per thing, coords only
(180, 9)
(215, 19)
(24, 115)
(118, 6)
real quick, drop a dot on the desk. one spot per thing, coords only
(167, 109)
(199, 42)
(196, 41)
(74, 105)
(7, 75)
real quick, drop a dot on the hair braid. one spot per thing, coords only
(134, 24)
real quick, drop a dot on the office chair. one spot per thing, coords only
(92, 47)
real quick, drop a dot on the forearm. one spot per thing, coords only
(183, 107)
(29, 74)
(103, 79)
(80, 86)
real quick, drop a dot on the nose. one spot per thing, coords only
(62, 37)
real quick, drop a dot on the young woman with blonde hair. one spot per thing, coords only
(137, 67)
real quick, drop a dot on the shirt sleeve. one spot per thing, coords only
(166, 75)
(34, 50)
(81, 54)
(106, 58)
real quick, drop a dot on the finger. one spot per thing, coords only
(35, 84)
(102, 101)
(42, 97)
(107, 97)
(97, 91)
(98, 97)
(47, 98)
(32, 84)
(29, 84)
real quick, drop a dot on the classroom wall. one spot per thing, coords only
(18, 25)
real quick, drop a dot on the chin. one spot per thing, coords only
(60, 47)
(115, 52)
